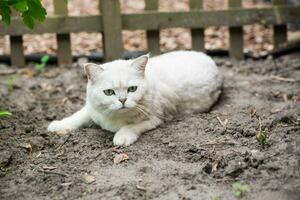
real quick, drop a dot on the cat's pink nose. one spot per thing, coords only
(122, 100)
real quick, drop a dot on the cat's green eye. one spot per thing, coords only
(132, 89)
(109, 92)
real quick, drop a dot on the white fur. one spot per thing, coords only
(179, 82)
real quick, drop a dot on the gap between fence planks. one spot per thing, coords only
(197, 33)
(152, 36)
(64, 53)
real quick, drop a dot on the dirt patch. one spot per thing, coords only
(195, 157)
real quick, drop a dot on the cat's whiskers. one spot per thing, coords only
(143, 112)
(107, 112)
(149, 113)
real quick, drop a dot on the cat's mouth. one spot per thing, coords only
(123, 108)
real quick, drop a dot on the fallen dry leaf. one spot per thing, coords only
(27, 146)
(285, 97)
(46, 86)
(139, 187)
(252, 112)
(120, 158)
(276, 93)
(89, 179)
(27, 73)
(215, 166)
(296, 98)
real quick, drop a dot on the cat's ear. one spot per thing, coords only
(91, 70)
(140, 63)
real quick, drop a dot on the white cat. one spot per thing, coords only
(130, 97)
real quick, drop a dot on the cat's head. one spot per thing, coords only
(116, 86)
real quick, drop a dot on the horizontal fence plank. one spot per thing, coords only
(151, 20)
(154, 20)
(55, 24)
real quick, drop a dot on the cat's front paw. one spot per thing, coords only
(59, 126)
(125, 137)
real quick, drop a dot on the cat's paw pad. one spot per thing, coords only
(59, 127)
(125, 137)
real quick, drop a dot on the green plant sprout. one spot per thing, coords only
(261, 135)
(4, 113)
(10, 82)
(239, 189)
(41, 66)
(214, 198)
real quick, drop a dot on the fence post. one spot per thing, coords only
(236, 35)
(197, 33)
(279, 31)
(112, 29)
(17, 57)
(64, 54)
(152, 36)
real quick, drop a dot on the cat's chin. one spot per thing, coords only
(123, 110)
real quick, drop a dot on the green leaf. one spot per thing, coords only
(4, 113)
(237, 193)
(39, 66)
(5, 12)
(21, 6)
(37, 11)
(66, 1)
(239, 189)
(30, 10)
(45, 59)
(27, 19)
(12, 2)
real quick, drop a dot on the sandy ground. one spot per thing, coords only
(194, 157)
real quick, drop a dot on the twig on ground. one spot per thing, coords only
(223, 123)
(279, 78)
(53, 172)
(49, 167)
(217, 143)
(7, 71)
(64, 141)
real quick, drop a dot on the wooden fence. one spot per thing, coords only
(110, 22)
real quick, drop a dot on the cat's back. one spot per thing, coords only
(182, 66)
(190, 79)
